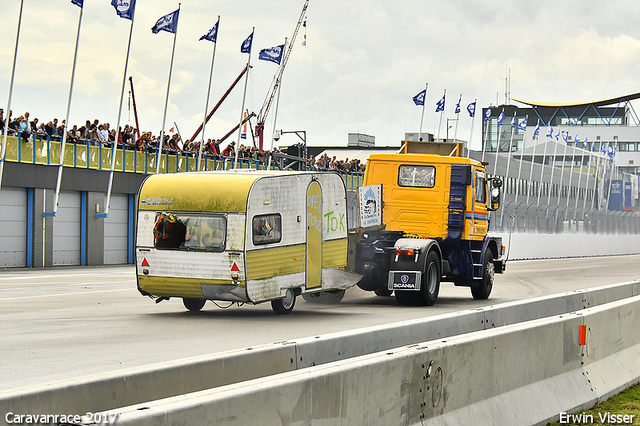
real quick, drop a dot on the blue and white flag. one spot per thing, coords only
(458, 105)
(124, 8)
(603, 149)
(584, 143)
(168, 23)
(212, 34)
(272, 54)
(523, 125)
(576, 140)
(487, 114)
(565, 135)
(440, 105)
(536, 132)
(558, 135)
(246, 45)
(513, 121)
(501, 118)
(471, 108)
(419, 98)
(611, 152)
(78, 2)
(550, 132)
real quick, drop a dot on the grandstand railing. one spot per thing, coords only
(46, 151)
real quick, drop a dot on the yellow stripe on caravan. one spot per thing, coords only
(334, 253)
(176, 287)
(271, 262)
(197, 191)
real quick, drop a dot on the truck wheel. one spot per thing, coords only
(284, 305)
(430, 280)
(482, 290)
(194, 305)
(324, 297)
(383, 292)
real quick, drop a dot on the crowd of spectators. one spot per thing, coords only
(101, 134)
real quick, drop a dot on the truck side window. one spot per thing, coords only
(267, 229)
(417, 176)
(480, 187)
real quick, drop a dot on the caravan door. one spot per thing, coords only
(313, 278)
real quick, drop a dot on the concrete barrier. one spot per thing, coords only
(520, 374)
(130, 386)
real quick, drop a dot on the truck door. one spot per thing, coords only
(314, 236)
(479, 213)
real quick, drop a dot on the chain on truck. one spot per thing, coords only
(424, 218)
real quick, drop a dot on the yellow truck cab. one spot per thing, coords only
(435, 223)
(242, 236)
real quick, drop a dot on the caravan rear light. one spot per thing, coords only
(235, 276)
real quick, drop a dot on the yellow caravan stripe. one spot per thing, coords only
(334, 253)
(175, 287)
(266, 263)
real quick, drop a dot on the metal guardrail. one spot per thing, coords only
(43, 151)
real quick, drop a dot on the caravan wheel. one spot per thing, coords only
(284, 305)
(194, 305)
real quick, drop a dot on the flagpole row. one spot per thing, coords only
(13, 73)
(245, 45)
(206, 104)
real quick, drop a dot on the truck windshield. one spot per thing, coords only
(417, 176)
(193, 232)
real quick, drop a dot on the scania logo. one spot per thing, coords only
(404, 285)
(404, 279)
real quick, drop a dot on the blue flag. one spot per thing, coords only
(523, 125)
(611, 152)
(576, 140)
(471, 108)
(419, 98)
(565, 135)
(440, 105)
(550, 132)
(603, 149)
(168, 23)
(78, 2)
(273, 54)
(558, 134)
(584, 143)
(124, 8)
(513, 121)
(536, 132)
(212, 34)
(458, 105)
(501, 118)
(487, 114)
(246, 45)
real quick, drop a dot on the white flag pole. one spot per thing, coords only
(244, 95)
(441, 113)
(524, 138)
(206, 104)
(472, 122)
(424, 103)
(66, 130)
(13, 73)
(580, 175)
(495, 164)
(275, 111)
(455, 132)
(513, 130)
(486, 134)
(564, 157)
(533, 161)
(613, 166)
(553, 167)
(115, 142)
(166, 100)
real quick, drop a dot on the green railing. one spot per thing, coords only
(78, 155)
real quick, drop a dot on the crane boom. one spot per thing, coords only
(262, 114)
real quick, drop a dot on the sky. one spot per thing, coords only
(363, 63)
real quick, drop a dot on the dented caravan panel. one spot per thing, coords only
(246, 200)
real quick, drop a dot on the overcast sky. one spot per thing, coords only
(363, 63)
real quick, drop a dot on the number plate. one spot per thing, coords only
(405, 280)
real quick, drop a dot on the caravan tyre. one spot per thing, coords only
(284, 305)
(194, 305)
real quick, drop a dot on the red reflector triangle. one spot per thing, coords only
(234, 267)
(144, 262)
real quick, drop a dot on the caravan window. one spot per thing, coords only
(267, 229)
(190, 232)
(417, 176)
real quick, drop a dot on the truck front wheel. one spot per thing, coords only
(482, 290)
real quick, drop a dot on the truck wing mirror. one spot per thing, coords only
(494, 190)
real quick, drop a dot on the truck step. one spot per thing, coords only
(478, 265)
(475, 251)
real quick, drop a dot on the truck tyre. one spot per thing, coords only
(324, 297)
(430, 280)
(194, 305)
(482, 290)
(284, 305)
(383, 292)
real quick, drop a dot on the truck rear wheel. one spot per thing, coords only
(482, 290)
(284, 305)
(194, 305)
(429, 287)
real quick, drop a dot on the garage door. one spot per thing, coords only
(13, 227)
(66, 230)
(115, 231)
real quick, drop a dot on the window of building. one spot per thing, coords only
(267, 229)
(417, 176)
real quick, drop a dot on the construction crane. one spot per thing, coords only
(271, 94)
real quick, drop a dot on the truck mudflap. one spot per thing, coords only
(408, 262)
